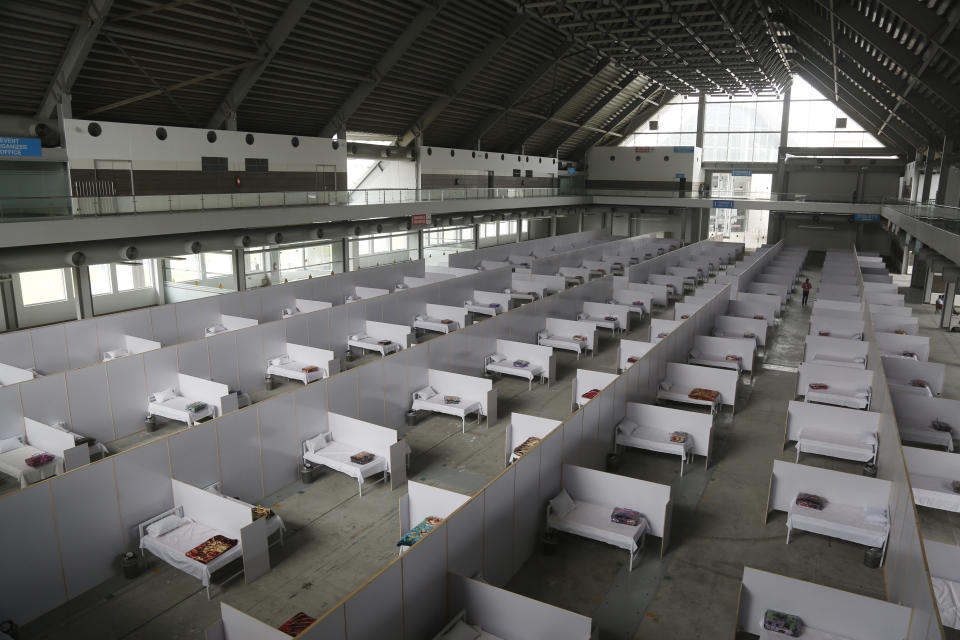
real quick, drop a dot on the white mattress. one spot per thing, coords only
(506, 367)
(562, 343)
(601, 321)
(593, 521)
(934, 492)
(12, 463)
(172, 547)
(676, 394)
(839, 397)
(372, 344)
(837, 361)
(927, 435)
(948, 601)
(654, 439)
(842, 521)
(176, 409)
(845, 336)
(336, 455)
(837, 444)
(482, 309)
(428, 323)
(459, 409)
(293, 371)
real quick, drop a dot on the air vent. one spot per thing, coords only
(654, 125)
(841, 123)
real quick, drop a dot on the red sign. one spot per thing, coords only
(642, 149)
(420, 219)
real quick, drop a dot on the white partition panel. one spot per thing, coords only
(88, 525)
(11, 414)
(789, 479)
(376, 611)
(238, 437)
(527, 507)
(218, 512)
(836, 351)
(193, 455)
(16, 350)
(498, 528)
(333, 626)
(895, 344)
(49, 349)
(279, 441)
(822, 609)
(904, 371)
(161, 370)
(201, 389)
(143, 487)
(82, 343)
(128, 394)
(89, 397)
(310, 410)
(424, 586)
(465, 539)
(802, 415)
(45, 399)
(32, 580)
(237, 625)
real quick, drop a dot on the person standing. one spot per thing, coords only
(806, 286)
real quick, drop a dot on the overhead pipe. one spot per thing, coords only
(25, 127)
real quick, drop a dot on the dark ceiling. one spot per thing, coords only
(548, 76)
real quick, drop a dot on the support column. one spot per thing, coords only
(418, 152)
(240, 269)
(905, 261)
(950, 277)
(420, 243)
(476, 236)
(941, 197)
(553, 224)
(580, 221)
(928, 282)
(927, 173)
(344, 257)
(8, 306)
(780, 178)
(83, 294)
(701, 117)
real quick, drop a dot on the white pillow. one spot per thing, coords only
(426, 393)
(562, 504)
(468, 302)
(318, 442)
(166, 525)
(164, 395)
(628, 427)
(461, 631)
(868, 437)
(10, 444)
(695, 354)
(284, 359)
(115, 353)
(420, 317)
(358, 336)
(498, 357)
(875, 515)
(666, 385)
(859, 360)
(216, 328)
(863, 393)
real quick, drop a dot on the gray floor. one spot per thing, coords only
(690, 593)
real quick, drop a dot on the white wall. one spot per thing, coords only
(651, 165)
(440, 160)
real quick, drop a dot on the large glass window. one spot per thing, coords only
(101, 280)
(42, 287)
(182, 268)
(134, 276)
(817, 122)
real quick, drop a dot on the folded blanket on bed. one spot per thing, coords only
(749, 335)
(39, 460)
(446, 321)
(632, 359)
(310, 369)
(194, 407)
(493, 305)
(955, 485)
(811, 501)
(759, 317)
(297, 624)
(451, 399)
(637, 303)
(678, 436)
(909, 354)
(206, 552)
(579, 338)
(900, 332)
(818, 386)
(521, 363)
(591, 394)
(364, 457)
(732, 357)
(625, 516)
(662, 334)
(703, 394)
(260, 511)
(610, 318)
(384, 342)
(413, 536)
(785, 623)
(918, 383)
(940, 425)
(684, 317)
(526, 445)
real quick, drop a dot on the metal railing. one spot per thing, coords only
(933, 213)
(58, 206)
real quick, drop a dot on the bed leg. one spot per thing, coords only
(798, 453)
(788, 535)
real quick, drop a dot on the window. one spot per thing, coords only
(398, 243)
(255, 260)
(529, 173)
(516, 173)
(182, 268)
(291, 259)
(43, 287)
(213, 164)
(101, 280)
(256, 165)
(381, 244)
(133, 276)
(318, 255)
(218, 264)
(364, 247)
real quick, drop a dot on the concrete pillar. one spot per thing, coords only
(240, 269)
(420, 241)
(418, 168)
(553, 224)
(580, 221)
(928, 282)
(927, 172)
(950, 277)
(774, 227)
(780, 177)
(905, 262)
(344, 255)
(919, 274)
(941, 197)
(231, 122)
(8, 306)
(83, 298)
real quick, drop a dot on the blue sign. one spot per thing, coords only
(571, 171)
(681, 176)
(741, 172)
(683, 149)
(724, 204)
(867, 217)
(20, 147)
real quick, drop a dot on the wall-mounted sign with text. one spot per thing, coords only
(867, 217)
(420, 219)
(724, 204)
(642, 149)
(741, 172)
(20, 147)
(683, 149)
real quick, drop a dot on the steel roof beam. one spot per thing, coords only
(383, 66)
(465, 78)
(598, 106)
(639, 103)
(71, 62)
(268, 48)
(473, 138)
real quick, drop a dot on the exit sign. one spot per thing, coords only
(420, 219)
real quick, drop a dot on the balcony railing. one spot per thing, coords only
(60, 206)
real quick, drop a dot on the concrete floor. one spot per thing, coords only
(690, 593)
